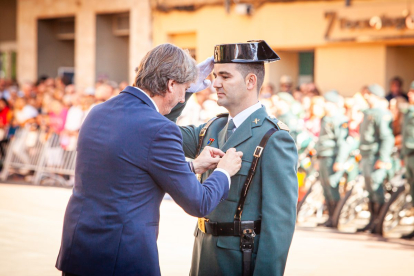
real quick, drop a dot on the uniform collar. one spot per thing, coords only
(140, 94)
(244, 131)
(242, 116)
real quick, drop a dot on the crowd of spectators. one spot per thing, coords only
(305, 102)
(51, 105)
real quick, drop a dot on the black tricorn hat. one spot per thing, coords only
(254, 51)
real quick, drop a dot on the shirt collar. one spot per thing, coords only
(156, 107)
(242, 116)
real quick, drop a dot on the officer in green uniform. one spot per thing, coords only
(376, 144)
(408, 148)
(251, 238)
(284, 113)
(332, 151)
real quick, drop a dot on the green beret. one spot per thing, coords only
(332, 96)
(377, 90)
(412, 85)
(284, 96)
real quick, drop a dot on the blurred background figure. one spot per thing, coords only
(355, 116)
(283, 103)
(332, 150)
(201, 107)
(396, 89)
(408, 149)
(286, 84)
(103, 93)
(267, 91)
(314, 115)
(377, 142)
(395, 107)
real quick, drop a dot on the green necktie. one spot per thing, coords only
(230, 127)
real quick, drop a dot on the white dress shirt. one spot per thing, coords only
(242, 116)
(156, 107)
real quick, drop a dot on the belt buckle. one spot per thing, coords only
(202, 225)
(258, 151)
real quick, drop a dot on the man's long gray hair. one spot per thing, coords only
(163, 63)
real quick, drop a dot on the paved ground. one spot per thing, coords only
(31, 224)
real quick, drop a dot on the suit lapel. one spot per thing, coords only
(244, 131)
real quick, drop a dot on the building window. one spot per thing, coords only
(306, 67)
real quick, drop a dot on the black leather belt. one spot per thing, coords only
(225, 228)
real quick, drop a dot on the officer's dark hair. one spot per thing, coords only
(254, 68)
(163, 63)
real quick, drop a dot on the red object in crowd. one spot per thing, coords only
(4, 116)
(57, 121)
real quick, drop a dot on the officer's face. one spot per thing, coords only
(230, 85)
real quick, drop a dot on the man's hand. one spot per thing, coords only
(207, 160)
(231, 162)
(338, 167)
(204, 69)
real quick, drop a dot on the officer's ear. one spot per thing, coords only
(251, 81)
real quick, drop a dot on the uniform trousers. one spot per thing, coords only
(374, 179)
(330, 179)
(409, 173)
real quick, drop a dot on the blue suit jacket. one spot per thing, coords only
(129, 156)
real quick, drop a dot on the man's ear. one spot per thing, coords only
(251, 81)
(170, 86)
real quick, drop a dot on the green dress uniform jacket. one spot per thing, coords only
(272, 197)
(376, 143)
(376, 133)
(408, 146)
(332, 147)
(408, 132)
(332, 138)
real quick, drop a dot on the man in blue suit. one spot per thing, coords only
(129, 156)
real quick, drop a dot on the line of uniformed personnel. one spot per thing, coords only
(375, 142)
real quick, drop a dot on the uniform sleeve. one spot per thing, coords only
(343, 146)
(190, 136)
(170, 171)
(189, 133)
(386, 136)
(279, 199)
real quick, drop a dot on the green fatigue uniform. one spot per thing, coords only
(376, 143)
(408, 146)
(272, 197)
(292, 122)
(352, 165)
(331, 148)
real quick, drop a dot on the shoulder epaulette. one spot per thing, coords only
(221, 115)
(279, 124)
(283, 126)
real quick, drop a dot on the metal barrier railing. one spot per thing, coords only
(33, 150)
